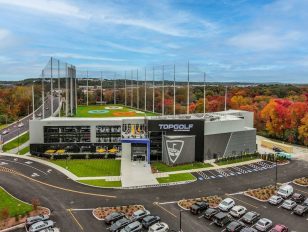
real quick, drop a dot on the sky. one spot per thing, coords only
(230, 40)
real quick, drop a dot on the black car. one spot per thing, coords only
(113, 217)
(118, 225)
(199, 207)
(235, 226)
(277, 149)
(149, 220)
(248, 229)
(251, 217)
(210, 212)
(298, 198)
(221, 219)
(301, 210)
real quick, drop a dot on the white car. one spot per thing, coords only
(263, 224)
(139, 214)
(51, 230)
(159, 227)
(238, 211)
(41, 226)
(5, 132)
(285, 191)
(20, 125)
(275, 200)
(226, 204)
(288, 204)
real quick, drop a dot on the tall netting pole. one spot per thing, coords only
(137, 90)
(226, 95)
(145, 89)
(59, 89)
(87, 88)
(66, 90)
(43, 95)
(188, 100)
(33, 106)
(101, 87)
(153, 97)
(204, 94)
(132, 90)
(51, 87)
(72, 98)
(163, 91)
(125, 91)
(174, 90)
(114, 90)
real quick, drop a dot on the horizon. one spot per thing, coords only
(232, 41)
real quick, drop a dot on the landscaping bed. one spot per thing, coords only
(301, 181)
(176, 178)
(212, 200)
(262, 194)
(102, 212)
(161, 167)
(14, 211)
(236, 159)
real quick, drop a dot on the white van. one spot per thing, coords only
(285, 191)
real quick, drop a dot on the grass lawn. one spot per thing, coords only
(15, 207)
(2, 126)
(176, 178)
(14, 143)
(24, 150)
(225, 162)
(83, 111)
(165, 168)
(92, 167)
(102, 183)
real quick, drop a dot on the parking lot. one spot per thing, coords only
(234, 171)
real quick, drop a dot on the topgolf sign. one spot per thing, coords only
(175, 127)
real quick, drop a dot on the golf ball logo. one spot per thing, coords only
(174, 149)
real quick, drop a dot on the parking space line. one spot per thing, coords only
(243, 201)
(75, 219)
(163, 208)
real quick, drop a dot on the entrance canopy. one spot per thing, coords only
(139, 141)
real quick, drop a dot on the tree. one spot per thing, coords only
(303, 130)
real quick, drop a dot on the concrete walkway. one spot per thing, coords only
(22, 146)
(134, 174)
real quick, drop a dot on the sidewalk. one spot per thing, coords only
(15, 150)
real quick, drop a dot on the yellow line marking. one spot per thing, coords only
(75, 219)
(57, 187)
(158, 205)
(242, 201)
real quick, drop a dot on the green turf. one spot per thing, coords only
(14, 143)
(102, 183)
(233, 161)
(24, 150)
(2, 126)
(83, 111)
(15, 207)
(161, 167)
(92, 167)
(176, 178)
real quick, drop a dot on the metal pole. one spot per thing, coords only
(125, 91)
(153, 90)
(66, 90)
(76, 101)
(145, 89)
(114, 90)
(101, 87)
(137, 90)
(59, 88)
(87, 88)
(43, 95)
(51, 87)
(276, 172)
(174, 90)
(188, 88)
(204, 95)
(71, 91)
(181, 220)
(33, 107)
(132, 90)
(163, 92)
(226, 94)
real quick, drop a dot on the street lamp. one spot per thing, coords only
(181, 211)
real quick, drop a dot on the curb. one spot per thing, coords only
(101, 219)
(306, 186)
(247, 195)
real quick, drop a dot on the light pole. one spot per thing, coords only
(181, 211)
(18, 139)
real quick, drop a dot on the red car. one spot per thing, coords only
(279, 228)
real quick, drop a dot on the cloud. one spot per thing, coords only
(48, 6)
(144, 50)
(81, 57)
(4, 34)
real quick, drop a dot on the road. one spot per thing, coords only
(13, 128)
(59, 193)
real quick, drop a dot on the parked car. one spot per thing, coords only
(132, 227)
(305, 202)
(275, 200)
(288, 204)
(199, 207)
(298, 198)
(238, 211)
(118, 225)
(51, 230)
(20, 125)
(159, 227)
(263, 224)
(34, 219)
(221, 219)
(301, 210)
(251, 217)
(285, 191)
(235, 226)
(5, 132)
(210, 212)
(149, 220)
(226, 204)
(277, 149)
(139, 215)
(38, 226)
(113, 217)
(248, 229)
(279, 228)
